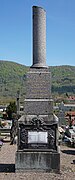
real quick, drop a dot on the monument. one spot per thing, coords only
(37, 148)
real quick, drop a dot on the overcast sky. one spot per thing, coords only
(16, 31)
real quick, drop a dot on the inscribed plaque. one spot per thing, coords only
(37, 137)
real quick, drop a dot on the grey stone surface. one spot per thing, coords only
(39, 37)
(38, 84)
(38, 92)
(36, 126)
(38, 106)
(50, 119)
(37, 161)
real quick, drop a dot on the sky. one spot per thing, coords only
(16, 31)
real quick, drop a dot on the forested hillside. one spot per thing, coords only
(13, 77)
(63, 79)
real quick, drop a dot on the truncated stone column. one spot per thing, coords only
(39, 37)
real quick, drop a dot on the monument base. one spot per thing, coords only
(44, 161)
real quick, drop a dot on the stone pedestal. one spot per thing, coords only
(37, 144)
(37, 160)
(37, 129)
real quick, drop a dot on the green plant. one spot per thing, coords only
(11, 108)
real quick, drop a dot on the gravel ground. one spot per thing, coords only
(7, 166)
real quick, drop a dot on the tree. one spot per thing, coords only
(11, 108)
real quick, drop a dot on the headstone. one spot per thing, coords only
(37, 130)
(13, 131)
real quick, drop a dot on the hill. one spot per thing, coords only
(13, 77)
(63, 79)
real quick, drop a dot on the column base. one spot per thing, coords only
(37, 161)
